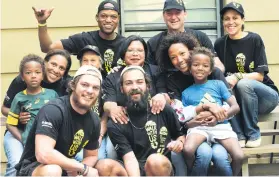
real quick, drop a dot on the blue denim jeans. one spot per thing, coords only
(13, 150)
(204, 154)
(254, 98)
(221, 162)
(179, 164)
(106, 149)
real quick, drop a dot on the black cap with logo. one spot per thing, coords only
(108, 5)
(234, 6)
(174, 4)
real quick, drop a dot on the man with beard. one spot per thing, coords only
(144, 144)
(62, 127)
(106, 39)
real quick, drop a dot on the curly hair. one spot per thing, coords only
(63, 53)
(162, 55)
(204, 51)
(29, 58)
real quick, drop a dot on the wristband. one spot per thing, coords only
(101, 135)
(83, 171)
(42, 24)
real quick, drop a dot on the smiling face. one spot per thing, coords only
(135, 89)
(91, 58)
(55, 68)
(85, 92)
(174, 20)
(232, 22)
(200, 68)
(135, 54)
(179, 55)
(32, 74)
(107, 21)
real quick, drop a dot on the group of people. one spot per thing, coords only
(167, 107)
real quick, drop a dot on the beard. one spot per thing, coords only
(137, 105)
(84, 106)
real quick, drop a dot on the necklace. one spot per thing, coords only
(139, 128)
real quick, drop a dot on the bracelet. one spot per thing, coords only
(83, 171)
(86, 171)
(238, 76)
(101, 135)
(42, 24)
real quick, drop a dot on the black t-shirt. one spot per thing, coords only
(153, 138)
(177, 82)
(19, 85)
(111, 85)
(244, 55)
(71, 130)
(154, 42)
(108, 48)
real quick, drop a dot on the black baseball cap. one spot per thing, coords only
(92, 48)
(108, 5)
(174, 4)
(234, 6)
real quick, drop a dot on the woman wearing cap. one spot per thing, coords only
(243, 55)
(57, 65)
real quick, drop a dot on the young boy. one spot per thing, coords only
(29, 100)
(208, 95)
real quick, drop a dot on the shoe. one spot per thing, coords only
(254, 143)
(242, 143)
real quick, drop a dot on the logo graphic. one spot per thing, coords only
(240, 62)
(46, 124)
(179, 2)
(251, 66)
(76, 142)
(163, 136)
(236, 4)
(37, 100)
(108, 58)
(151, 131)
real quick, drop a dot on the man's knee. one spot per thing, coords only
(47, 170)
(155, 162)
(109, 167)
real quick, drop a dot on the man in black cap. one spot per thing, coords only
(106, 39)
(174, 14)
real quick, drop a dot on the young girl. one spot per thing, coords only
(29, 100)
(208, 95)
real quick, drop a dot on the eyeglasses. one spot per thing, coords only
(133, 51)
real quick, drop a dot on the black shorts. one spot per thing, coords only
(26, 168)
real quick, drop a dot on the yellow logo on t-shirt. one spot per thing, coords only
(76, 142)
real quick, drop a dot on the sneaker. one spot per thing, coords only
(253, 143)
(242, 143)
